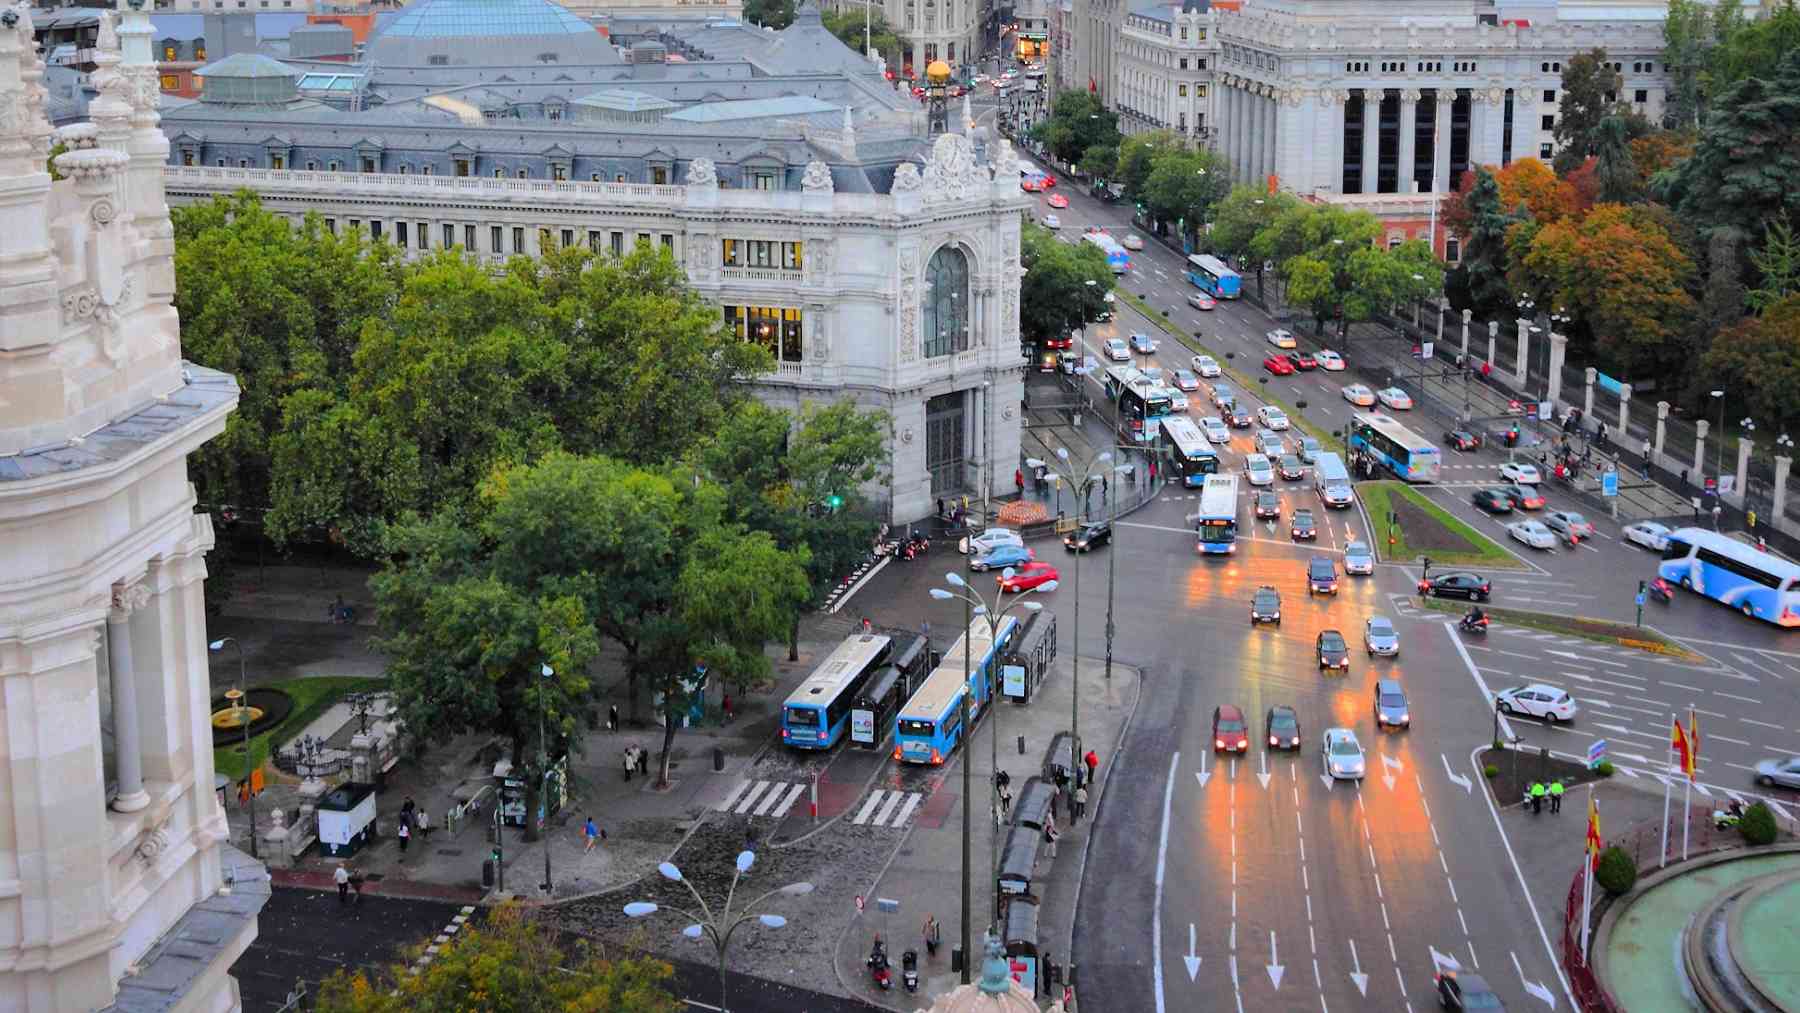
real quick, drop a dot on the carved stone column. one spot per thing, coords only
(1782, 466)
(1697, 476)
(1624, 411)
(1493, 339)
(1559, 346)
(1587, 404)
(1466, 314)
(1409, 138)
(1741, 491)
(1521, 367)
(1371, 140)
(127, 756)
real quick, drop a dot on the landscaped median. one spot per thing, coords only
(1600, 630)
(1407, 527)
(1245, 381)
(311, 698)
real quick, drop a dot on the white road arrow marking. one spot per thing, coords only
(1537, 990)
(1391, 763)
(1263, 775)
(1445, 962)
(1455, 778)
(1275, 969)
(1326, 781)
(1357, 976)
(1192, 961)
(1639, 757)
(1621, 729)
(1202, 774)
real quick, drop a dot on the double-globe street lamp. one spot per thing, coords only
(976, 606)
(718, 928)
(241, 697)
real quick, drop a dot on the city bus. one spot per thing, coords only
(1140, 400)
(872, 716)
(1210, 275)
(1117, 257)
(1216, 523)
(818, 710)
(1194, 456)
(1726, 570)
(1397, 448)
(931, 722)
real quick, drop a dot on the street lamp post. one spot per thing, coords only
(718, 928)
(243, 701)
(544, 767)
(1719, 441)
(974, 605)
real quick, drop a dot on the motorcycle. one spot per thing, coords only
(1662, 591)
(915, 547)
(1470, 624)
(878, 967)
(909, 970)
(1725, 819)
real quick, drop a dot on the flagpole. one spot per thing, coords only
(1587, 889)
(1667, 787)
(1687, 794)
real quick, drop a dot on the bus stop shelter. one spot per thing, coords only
(1020, 936)
(1032, 808)
(1018, 861)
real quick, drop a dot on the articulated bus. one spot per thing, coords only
(930, 723)
(1726, 570)
(817, 712)
(1210, 275)
(1141, 403)
(1216, 523)
(1117, 257)
(1399, 449)
(1195, 457)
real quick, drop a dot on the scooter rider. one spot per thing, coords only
(1474, 617)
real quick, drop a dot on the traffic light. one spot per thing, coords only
(834, 501)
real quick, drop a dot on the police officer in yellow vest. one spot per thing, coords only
(1556, 793)
(1537, 797)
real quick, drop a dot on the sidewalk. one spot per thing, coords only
(923, 872)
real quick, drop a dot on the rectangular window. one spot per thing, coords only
(518, 237)
(469, 238)
(449, 236)
(462, 167)
(1549, 96)
(1640, 96)
(618, 244)
(1453, 250)
(1549, 123)
(524, 174)
(1545, 152)
(277, 162)
(1181, 90)
(312, 166)
(187, 158)
(494, 240)
(425, 236)
(730, 253)
(668, 242)
(1184, 61)
(777, 328)
(568, 238)
(331, 225)
(399, 234)
(499, 173)
(1200, 89)
(659, 176)
(545, 242)
(368, 165)
(375, 229)
(594, 240)
(762, 181)
(643, 239)
(559, 173)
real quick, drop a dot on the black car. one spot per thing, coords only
(1458, 584)
(1302, 527)
(1265, 606)
(1494, 501)
(1333, 652)
(1459, 991)
(1281, 728)
(1290, 467)
(1268, 506)
(1462, 439)
(1321, 576)
(1238, 417)
(1089, 536)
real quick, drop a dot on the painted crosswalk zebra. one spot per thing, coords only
(761, 798)
(887, 808)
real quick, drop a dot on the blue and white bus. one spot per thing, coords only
(1210, 275)
(930, 724)
(1117, 257)
(1141, 402)
(1395, 447)
(818, 711)
(1215, 525)
(1194, 456)
(1724, 569)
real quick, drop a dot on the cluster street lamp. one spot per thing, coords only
(544, 768)
(975, 605)
(1719, 439)
(717, 928)
(1550, 320)
(241, 698)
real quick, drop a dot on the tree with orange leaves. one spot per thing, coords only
(1530, 183)
(1759, 359)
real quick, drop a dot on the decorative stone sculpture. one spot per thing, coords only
(953, 174)
(702, 172)
(906, 178)
(817, 178)
(1005, 161)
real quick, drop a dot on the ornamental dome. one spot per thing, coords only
(996, 992)
(488, 33)
(937, 72)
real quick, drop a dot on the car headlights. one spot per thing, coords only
(1218, 743)
(1273, 741)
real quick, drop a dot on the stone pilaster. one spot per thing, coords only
(1409, 135)
(1559, 347)
(1440, 144)
(1371, 141)
(127, 745)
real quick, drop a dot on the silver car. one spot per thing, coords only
(1568, 522)
(1269, 443)
(1359, 559)
(1379, 637)
(1342, 755)
(1785, 773)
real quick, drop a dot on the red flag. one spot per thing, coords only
(1678, 741)
(1693, 743)
(1593, 831)
(1093, 89)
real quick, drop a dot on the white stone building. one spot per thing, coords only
(1166, 53)
(947, 30)
(118, 889)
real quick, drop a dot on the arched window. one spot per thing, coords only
(946, 302)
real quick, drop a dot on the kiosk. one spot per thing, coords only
(346, 818)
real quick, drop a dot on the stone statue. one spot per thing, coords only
(953, 174)
(702, 172)
(817, 178)
(906, 178)
(1005, 160)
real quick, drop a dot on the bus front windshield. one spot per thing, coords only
(1217, 531)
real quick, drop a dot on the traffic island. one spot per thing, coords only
(1515, 770)
(1598, 630)
(1408, 527)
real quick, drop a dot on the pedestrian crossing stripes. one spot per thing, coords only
(760, 798)
(887, 808)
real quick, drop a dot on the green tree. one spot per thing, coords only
(1617, 872)
(1078, 121)
(1314, 249)
(1055, 295)
(1479, 216)
(1777, 266)
(1590, 93)
(1758, 825)
(1758, 360)
(508, 962)
(1748, 48)
(1745, 170)
(776, 14)
(1099, 161)
(1687, 35)
(1185, 185)
(848, 26)
(1136, 153)
(1613, 163)
(1244, 212)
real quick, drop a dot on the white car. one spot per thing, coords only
(1186, 380)
(1217, 432)
(1359, 395)
(1202, 301)
(1117, 350)
(1649, 534)
(1359, 559)
(1271, 416)
(1132, 241)
(1532, 533)
(1394, 398)
(1269, 443)
(1259, 470)
(1282, 338)
(1342, 755)
(1521, 473)
(1537, 700)
(1380, 637)
(1178, 401)
(1329, 360)
(1207, 366)
(1568, 522)
(1052, 222)
(1143, 343)
(988, 541)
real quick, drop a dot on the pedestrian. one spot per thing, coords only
(612, 717)
(1092, 759)
(1019, 481)
(630, 761)
(1715, 513)
(1050, 836)
(338, 609)
(1080, 804)
(940, 507)
(643, 761)
(406, 809)
(725, 706)
(1053, 797)
(934, 934)
(356, 885)
(342, 878)
(1556, 794)
(405, 835)
(925, 630)
(1152, 471)
(1538, 791)
(591, 831)
(424, 825)
(1005, 802)
(1003, 779)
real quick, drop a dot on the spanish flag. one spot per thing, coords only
(1693, 741)
(1684, 748)
(1593, 831)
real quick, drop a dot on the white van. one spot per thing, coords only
(1332, 480)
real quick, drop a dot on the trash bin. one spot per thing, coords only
(487, 874)
(718, 759)
(956, 959)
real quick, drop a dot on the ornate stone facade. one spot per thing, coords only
(114, 836)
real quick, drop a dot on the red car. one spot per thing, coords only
(1057, 200)
(1026, 577)
(1049, 180)
(1030, 185)
(1279, 365)
(1231, 733)
(1060, 343)
(1302, 360)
